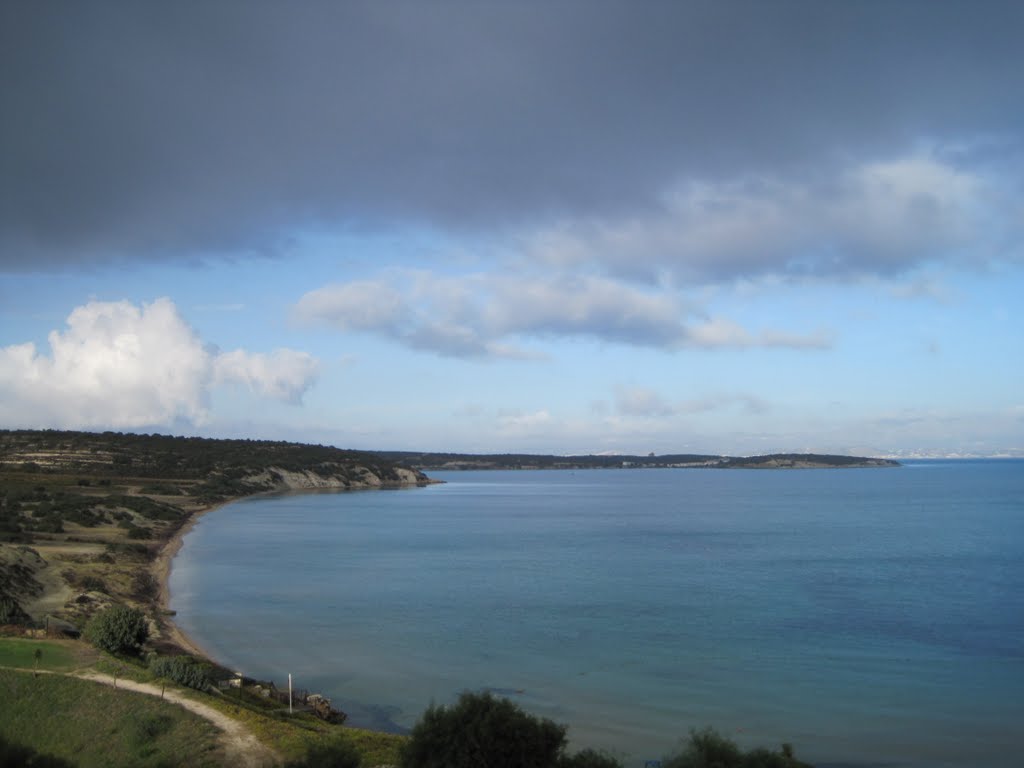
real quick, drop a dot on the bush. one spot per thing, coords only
(118, 629)
(183, 670)
(135, 532)
(709, 749)
(148, 728)
(92, 584)
(11, 611)
(483, 730)
(589, 758)
(335, 753)
(145, 586)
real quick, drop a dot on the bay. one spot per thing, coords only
(869, 616)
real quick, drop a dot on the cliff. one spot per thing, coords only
(339, 477)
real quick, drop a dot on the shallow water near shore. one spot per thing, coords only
(872, 617)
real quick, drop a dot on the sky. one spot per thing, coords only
(569, 227)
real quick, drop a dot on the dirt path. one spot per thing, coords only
(241, 746)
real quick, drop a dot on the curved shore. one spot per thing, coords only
(163, 563)
(161, 570)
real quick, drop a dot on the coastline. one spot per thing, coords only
(161, 570)
(163, 563)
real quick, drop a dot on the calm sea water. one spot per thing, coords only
(872, 617)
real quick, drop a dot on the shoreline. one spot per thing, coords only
(163, 563)
(161, 568)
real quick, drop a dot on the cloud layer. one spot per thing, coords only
(488, 315)
(127, 366)
(171, 130)
(874, 218)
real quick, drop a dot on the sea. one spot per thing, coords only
(873, 618)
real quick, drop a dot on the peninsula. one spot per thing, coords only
(464, 461)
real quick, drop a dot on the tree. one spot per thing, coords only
(118, 629)
(482, 730)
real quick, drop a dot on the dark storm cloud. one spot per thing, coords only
(145, 129)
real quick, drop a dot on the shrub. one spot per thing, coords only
(11, 611)
(145, 586)
(149, 727)
(129, 549)
(118, 629)
(337, 752)
(589, 758)
(483, 730)
(92, 584)
(183, 670)
(709, 749)
(136, 532)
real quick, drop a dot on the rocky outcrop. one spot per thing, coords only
(340, 477)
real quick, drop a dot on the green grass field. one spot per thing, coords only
(59, 656)
(36, 712)
(88, 724)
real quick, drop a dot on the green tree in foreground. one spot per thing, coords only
(709, 749)
(482, 730)
(118, 629)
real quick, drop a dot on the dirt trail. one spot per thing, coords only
(241, 746)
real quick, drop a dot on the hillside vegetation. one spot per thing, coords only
(84, 515)
(210, 470)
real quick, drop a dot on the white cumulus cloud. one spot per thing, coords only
(284, 374)
(123, 365)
